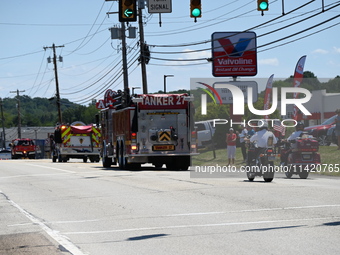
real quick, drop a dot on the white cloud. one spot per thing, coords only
(320, 51)
(269, 62)
(337, 50)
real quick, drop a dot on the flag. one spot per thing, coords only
(267, 95)
(277, 126)
(298, 76)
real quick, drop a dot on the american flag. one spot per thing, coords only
(278, 127)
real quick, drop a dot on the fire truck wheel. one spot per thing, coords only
(54, 159)
(133, 166)
(107, 162)
(184, 163)
(171, 166)
(84, 159)
(121, 159)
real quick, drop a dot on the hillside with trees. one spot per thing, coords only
(43, 112)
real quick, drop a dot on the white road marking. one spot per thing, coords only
(54, 168)
(196, 226)
(55, 222)
(253, 210)
(62, 240)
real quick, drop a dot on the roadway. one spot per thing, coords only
(81, 208)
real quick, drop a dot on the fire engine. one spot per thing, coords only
(23, 148)
(147, 128)
(76, 141)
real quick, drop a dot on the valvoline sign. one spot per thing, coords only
(234, 54)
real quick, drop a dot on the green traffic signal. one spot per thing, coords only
(128, 13)
(196, 12)
(263, 5)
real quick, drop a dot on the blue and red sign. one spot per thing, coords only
(234, 54)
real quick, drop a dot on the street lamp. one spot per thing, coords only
(169, 75)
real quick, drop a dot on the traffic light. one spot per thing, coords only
(127, 10)
(262, 5)
(195, 9)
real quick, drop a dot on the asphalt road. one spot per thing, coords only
(81, 208)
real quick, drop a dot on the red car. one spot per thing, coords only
(320, 131)
(23, 148)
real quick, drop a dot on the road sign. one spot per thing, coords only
(227, 96)
(234, 54)
(157, 6)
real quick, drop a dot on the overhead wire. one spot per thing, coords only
(249, 29)
(258, 36)
(81, 45)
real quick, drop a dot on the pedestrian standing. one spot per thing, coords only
(337, 126)
(242, 136)
(231, 146)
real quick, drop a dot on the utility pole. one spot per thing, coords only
(56, 79)
(142, 48)
(125, 69)
(19, 113)
(3, 125)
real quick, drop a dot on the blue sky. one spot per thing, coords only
(92, 61)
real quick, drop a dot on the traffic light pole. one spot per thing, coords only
(142, 52)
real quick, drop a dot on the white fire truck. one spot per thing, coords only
(76, 141)
(152, 128)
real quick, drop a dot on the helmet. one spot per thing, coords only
(263, 124)
(299, 126)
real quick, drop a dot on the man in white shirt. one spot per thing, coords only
(264, 138)
(298, 131)
(242, 136)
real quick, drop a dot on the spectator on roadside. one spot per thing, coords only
(231, 146)
(251, 131)
(242, 136)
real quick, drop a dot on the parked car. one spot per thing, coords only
(320, 131)
(5, 153)
(205, 132)
(331, 137)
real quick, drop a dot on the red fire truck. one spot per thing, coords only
(149, 128)
(76, 141)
